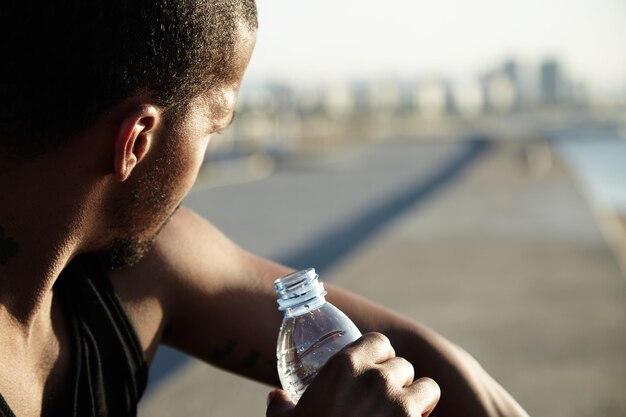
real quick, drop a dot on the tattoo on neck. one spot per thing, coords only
(8, 247)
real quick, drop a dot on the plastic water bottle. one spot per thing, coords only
(312, 331)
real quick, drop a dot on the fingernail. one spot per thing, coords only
(270, 397)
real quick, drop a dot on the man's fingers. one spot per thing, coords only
(366, 378)
(371, 348)
(426, 393)
(400, 371)
(279, 404)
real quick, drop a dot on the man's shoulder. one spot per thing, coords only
(185, 244)
(151, 291)
(191, 265)
(188, 252)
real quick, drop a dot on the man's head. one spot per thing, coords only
(131, 89)
(64, 63)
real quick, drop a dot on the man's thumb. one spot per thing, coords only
(279, 404)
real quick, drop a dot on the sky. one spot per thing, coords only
(337, 40)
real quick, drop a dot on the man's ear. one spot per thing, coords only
(133, 139)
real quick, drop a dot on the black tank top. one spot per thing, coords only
(109, 368)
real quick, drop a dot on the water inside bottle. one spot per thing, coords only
(297, 366)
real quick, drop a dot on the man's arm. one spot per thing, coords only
(218, 304)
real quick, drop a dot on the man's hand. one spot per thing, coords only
(364, 379)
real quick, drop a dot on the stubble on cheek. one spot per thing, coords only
(124, 253)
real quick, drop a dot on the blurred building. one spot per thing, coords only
(385, 96)
(513, 71)
(431, 98)
(361, 97)
(500, 92)
(550, 76)
(338, 100)
(309, 101)
(469, 100)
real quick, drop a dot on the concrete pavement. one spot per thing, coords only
(505, 261)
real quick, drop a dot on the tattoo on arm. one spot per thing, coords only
(219, 354)
(252, 359)
(8, 247)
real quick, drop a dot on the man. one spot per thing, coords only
(107, 109)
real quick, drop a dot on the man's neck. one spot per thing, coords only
(28, 274)
(41, 222)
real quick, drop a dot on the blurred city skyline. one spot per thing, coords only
(506, 87)
(324, 42)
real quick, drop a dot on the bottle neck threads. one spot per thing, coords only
(299, 292)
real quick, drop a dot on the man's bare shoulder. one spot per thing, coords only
(186, 242)
(190, 264)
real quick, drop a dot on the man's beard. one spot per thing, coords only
(126, 252)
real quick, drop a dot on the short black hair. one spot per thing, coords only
(65, 62)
